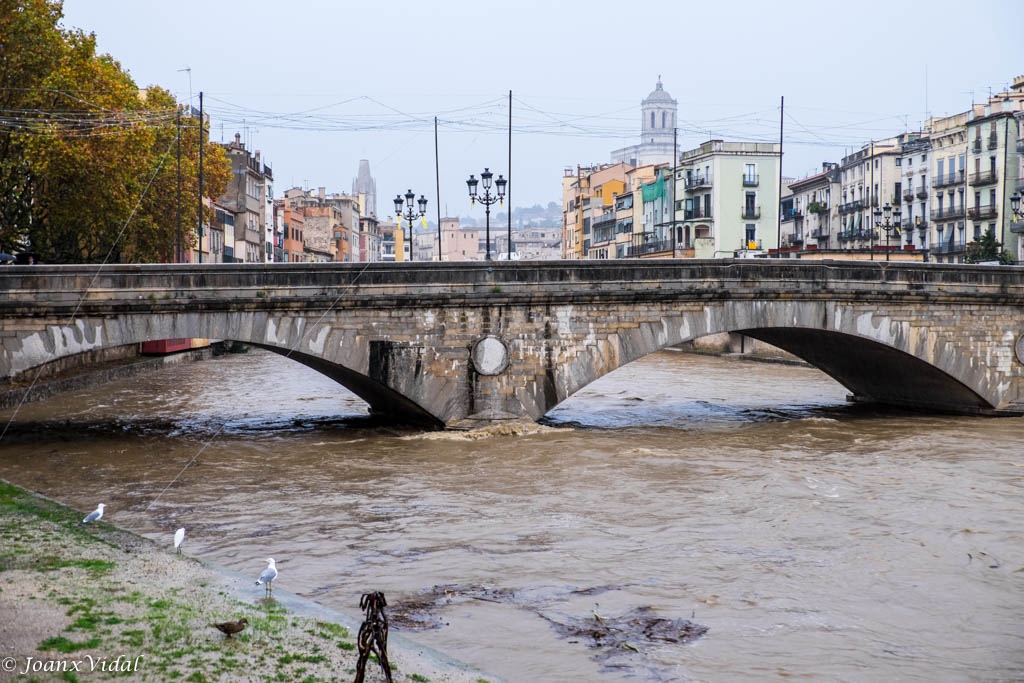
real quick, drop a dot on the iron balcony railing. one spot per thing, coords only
(750, 180)
(977, 213)
(922, 192)
(947, 213)
(856, 205)
(984, 177)
(751, 212)
(819, 233)
(993, 140)
(908, 194)
(651, 247)
(697, 182)
(947, 247)
(948, 179)
(977, 145)
(694, 214)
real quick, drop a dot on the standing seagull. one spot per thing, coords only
(268, 576)
(179, 536)
(94, 516)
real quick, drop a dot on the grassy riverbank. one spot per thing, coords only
(118, 606)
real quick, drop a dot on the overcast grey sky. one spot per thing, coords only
(319, 85)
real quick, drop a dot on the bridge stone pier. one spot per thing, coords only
(455, 345)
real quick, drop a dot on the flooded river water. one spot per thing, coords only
(813, 538)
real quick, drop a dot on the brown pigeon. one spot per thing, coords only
(229, 627)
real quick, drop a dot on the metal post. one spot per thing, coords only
(509, 184)
(437, 178)
(778, 201)
(200, 176)
(179, 248)
(487, 206)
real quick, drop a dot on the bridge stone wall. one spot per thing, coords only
(455, 346)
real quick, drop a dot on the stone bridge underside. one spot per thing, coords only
(460, 345)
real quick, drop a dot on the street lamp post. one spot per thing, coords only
(487, 199)
(888, 218)
(1015, 207)
(410, 214)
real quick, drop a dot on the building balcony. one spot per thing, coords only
(947, 247)
(921, 192)
(993, 141)
(947, 213)
(750, 180)
(948, 179)
(697, 182)
(696, 214)
(851, 206)
(820, 233)
(908, 194)
(979, 213)
(983, 177)
(750, 212)
(855, 235)
(650, 247)
(1017, 226)
(911, 224)
(976, 147)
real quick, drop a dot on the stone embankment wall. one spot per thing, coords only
(80, 372)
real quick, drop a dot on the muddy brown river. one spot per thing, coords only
(793, 534)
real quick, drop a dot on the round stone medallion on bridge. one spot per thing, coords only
(1019, 349)
(490, 356)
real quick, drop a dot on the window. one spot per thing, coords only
(663, 115)
(899, 162)
(652, 120)
(751, 232)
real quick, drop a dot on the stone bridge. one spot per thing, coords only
(453, 345)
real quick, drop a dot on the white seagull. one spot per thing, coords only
(179, 536)
(94, 516)
(268, 575)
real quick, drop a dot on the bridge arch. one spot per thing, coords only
(875, 356)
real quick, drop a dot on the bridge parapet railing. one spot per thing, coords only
(67, 290)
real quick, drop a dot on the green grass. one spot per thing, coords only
(62, 644)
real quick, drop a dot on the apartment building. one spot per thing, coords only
(246, 197)
(948, 211)
(993, 172)
(810, 216)
(292, 228)
(870, 179)
(588, 198)
(915, 159)
(613, 228)
(331, 223)
(726, 198)
(458, 242)
(654, 237)
(369, 239)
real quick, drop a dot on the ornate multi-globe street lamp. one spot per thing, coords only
(888, 218)
(409, 213)
(487, 198)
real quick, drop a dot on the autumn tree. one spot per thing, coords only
(97, 155)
